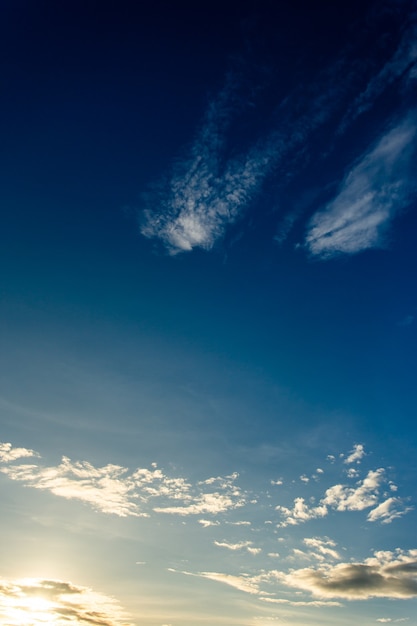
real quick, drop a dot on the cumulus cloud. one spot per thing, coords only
(363, 495)
(371, 195)
(386, 574)
(356, 454)
(114, 490)
(38, 601)
(300, 512)
(9, 453)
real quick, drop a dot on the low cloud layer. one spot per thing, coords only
(386, 575)
(37, 601)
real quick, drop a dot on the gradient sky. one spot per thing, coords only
(208, 313)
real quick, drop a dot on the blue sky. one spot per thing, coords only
(208, 313)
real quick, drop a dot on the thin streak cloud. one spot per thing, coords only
(372, 194)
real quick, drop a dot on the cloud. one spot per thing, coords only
(321, 548)
(300, 512)
(38, 601)
(339, 497)
(402, 63)
(365, 495)
(8, 453)
(356, 455)
(206, 522)
(107, 488)
(211, 185)
(242, 545)
(207, 191)
(253, 586)
(112, 489)
(386, 574)
(387, 511)
(371, 195)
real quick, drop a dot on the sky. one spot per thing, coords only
(208, 313)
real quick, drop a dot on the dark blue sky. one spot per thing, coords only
(208, 262)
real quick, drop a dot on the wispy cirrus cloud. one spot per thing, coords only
(206, 191)
(214, 181)
(371, 195)
(112, 489)
(36, 601)
(401, 64)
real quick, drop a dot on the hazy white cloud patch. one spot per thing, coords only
(206, 190)
(300, 512)
(388, 511)
(114, 490)
(37, 601)
(356, 454)
(9, 453)
(386, 574)
(321, 549)
(213, 496)
(364, 495)
(206, 523)
(108, 489)
(241, 545)
(371, 195)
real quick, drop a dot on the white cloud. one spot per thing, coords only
(9, 453)
(253, 585)
(356, 455)
(387, 511)
(206, 523)
(241, 545)
(206, 192)
(373, 192)
(365, 495)
(300, 512)
(339, 497)
(107, 488)
(112, 489)
(386, 574)
(37, 601)
(321, 549)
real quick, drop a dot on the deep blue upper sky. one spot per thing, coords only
(207, 251)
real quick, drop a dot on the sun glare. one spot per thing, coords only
(28, 609)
